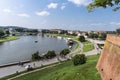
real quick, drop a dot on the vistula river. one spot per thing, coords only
(23, 48)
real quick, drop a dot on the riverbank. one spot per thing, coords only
(80, 47)
(74, 38)
(8, 38)
(64, 71)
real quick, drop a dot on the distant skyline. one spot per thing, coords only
(60, 14)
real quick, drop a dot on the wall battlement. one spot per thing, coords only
(109, 62)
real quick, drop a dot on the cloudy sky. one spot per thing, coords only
(63, 14)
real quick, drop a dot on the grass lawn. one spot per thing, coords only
(88, 46)
(67, 71)
(9, 38)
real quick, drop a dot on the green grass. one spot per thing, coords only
(67, 71)
(8, 38)
(88, 46)
(63, 35)
(76, 45)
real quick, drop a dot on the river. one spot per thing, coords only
(23, 48)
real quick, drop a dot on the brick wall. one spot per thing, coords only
(109, 62)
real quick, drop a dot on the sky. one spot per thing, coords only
(57, 14)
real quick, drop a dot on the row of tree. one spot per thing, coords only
(102, 36)
(77, 59)
(49, 55)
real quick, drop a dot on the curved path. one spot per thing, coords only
(96, 49)
(78, 49)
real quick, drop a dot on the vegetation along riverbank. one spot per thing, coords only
(66, 71)
(8, 38)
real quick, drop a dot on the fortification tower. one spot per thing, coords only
(109, 62)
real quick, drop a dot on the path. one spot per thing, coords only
(96, 49)
(32, 71)
(12, 69)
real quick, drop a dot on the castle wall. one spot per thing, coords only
(109, 62)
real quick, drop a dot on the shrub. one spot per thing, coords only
(50, 54)
(36, 56)
(81, 39)
(65, 52)
(79, 59)
(1, 33)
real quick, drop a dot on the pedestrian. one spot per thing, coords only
(34, 65)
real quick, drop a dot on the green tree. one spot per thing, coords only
(118, 31)
(7, 32)
(1, 33)
(103, 36)
(50, 54)
(36, 56)
(104, 4)
(64, 52)
(93, 35)
(19, 29)
(79, 59)
(81, 39)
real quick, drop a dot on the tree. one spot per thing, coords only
(93, 35)
(36, 56)
(79, 59)
(81, 39)
(118, 31)
(1, 33)
(7, 32)
(64, 52)
(103, 36)
(50, 54)
(19, 29)
(104, 4)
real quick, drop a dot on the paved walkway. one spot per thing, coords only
(12, 69)
(76, 50)
(31, 72)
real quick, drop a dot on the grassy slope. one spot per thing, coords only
(67, 71)
(88, 46)
(9, 38)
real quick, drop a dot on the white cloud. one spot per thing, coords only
(62, 7)
(97, 24)
(52, 5)
(115, 23)
(7, 10)
(24, 15)
(81, 2)
(43, 13)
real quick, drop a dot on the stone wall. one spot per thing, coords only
(109, 62)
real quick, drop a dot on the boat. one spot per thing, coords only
(70, 47)
(59, 37)
(36, 41)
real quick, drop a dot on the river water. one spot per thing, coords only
(23, 48)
